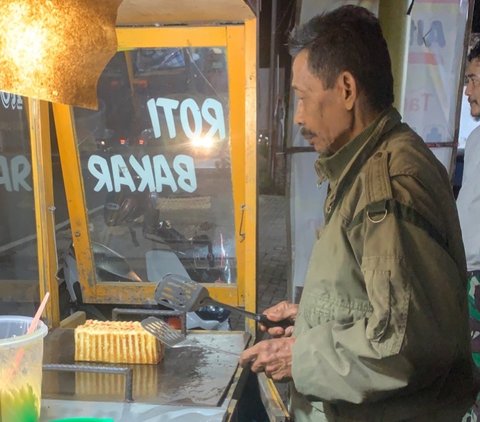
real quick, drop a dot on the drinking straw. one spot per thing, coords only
(38, 314)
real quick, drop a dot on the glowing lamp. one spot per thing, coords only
(55, 50)
(202, 142)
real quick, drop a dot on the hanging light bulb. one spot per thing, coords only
(55, 50)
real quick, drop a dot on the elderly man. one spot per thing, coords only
(381, 331)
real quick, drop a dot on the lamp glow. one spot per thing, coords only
(205, 142)
(55, 50)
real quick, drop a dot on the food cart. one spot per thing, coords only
(99, 205)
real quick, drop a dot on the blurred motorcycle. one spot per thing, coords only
(111, 266)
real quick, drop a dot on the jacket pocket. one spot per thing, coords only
(389, 292)
(378, 290)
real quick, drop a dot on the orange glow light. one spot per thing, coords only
(55, 50)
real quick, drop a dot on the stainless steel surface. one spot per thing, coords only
(174, 338)
(96, 369)
(129, 412)
(185, 377)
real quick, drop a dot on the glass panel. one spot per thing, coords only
(156, 167)
(18, 247)
(435, 55)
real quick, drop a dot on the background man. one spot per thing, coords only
(468, 203)
(381, 331)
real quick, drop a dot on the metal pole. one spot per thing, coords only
(395, 25)
(271, 92)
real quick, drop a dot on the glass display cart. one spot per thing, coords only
(99, 205)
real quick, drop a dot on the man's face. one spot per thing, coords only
(325, 122)
(472, 87)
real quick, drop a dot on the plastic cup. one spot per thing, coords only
(21, 358)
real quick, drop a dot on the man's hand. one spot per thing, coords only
(281, 311)
(274, 357)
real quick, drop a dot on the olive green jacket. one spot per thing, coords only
(382, 328)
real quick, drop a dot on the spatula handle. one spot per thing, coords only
(261, 318)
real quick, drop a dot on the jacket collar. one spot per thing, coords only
(332, 167)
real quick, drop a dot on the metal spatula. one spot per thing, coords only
(185, 295)
(174, 338)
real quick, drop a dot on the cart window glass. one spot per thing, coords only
(18, 247)
(156, 167)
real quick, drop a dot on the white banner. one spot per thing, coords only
(434, 71)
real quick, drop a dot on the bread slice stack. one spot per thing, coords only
(116, 342)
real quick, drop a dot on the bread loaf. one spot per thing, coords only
(116, 342)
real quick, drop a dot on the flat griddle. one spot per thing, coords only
(185, 377)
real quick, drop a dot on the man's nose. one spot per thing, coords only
(298, 117)
(468, 87)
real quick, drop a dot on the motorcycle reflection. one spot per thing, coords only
(109, 265)
(131, 208)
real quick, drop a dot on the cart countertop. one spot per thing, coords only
(192, 381)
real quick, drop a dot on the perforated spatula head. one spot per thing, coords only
(174, 338)
(161, 330)
(180, 293)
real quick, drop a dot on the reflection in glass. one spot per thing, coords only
(18, 247)
(156, 167)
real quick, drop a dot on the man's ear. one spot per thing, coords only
(349, 89)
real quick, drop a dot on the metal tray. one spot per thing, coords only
(185, 377)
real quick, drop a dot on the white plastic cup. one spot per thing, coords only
(21, 357)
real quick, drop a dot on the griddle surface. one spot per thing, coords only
(186, 376)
